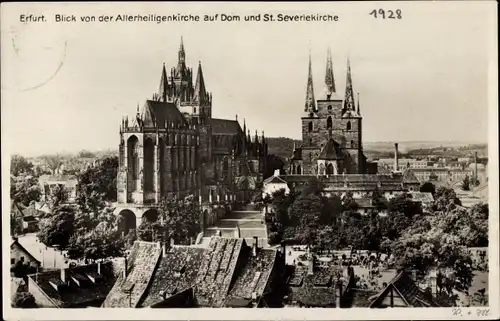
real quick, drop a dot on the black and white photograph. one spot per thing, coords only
(323, 160)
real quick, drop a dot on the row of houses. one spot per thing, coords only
(227, 273)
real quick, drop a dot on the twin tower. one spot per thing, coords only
(331, 130)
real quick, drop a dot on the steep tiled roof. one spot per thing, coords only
(330, 151)
(254, 275)
(176, 272)
(318, 289)
(225, 126)
(142, 262)
(156, 113)
(409, 292)
(79, 288)
(217, 270)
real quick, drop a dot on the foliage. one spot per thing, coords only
(281, 146)
(378, 200)
(177, 219)
(466, 183)
(24, 189)
(428, 187)
(86, 154)
(348, 202)
(58, 229)
(96, 244)
(53, 162)
(97, 185)
(21, 270)
(57, 195)
(445, 199)
(273, 163)
(403, 204)
(274, 238)
(24, 300)
(19, 165)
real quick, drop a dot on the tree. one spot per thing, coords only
(57, 195)
(273, 162)
(97, 185)
(96, 244)
(85, 154)
(24, 300)
(445, 199)
(20, 165)
(16, 224)
(348, 202)
(378, 200)
(466, 183)
(428, 187)
(403, 204)
(53, 162)
(58, 229)
(24, 189)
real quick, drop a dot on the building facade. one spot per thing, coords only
(332, 146)
(331, 131)
(173, 147)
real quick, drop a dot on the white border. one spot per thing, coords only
(285, 313)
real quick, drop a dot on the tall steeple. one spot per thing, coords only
(358, 110)
(200, 93)
(310, 102)
(182, 53)
(329, 79)
(349, 94)
(163, 88)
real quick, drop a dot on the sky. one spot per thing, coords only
(65, 86)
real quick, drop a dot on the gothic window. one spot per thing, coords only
(310, 141)
(329, 107)
(133, 156)
(348, 125)
(329, 122)
(225, 168)
(352, 143)
(299, 170)
(148, 165)
(329, 169)
(310, 126)
(194, 110)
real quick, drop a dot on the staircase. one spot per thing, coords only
(250, 221)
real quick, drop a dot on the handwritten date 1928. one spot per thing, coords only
(389, 14)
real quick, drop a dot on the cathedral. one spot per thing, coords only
(331, 131)
(173, 147)
(332, 146)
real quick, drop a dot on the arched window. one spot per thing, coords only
(310, 141)
(299, 170)
(329, 107)
(352, 143)
(194, 110)
(329, 169)
(310, 126)
(148, 165)
(348, 125)
(133, 156)
(329, 122)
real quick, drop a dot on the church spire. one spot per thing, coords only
(349, 94)
(200, 93)
(163, 88)
(358, 110)
(329, 79)
(182, 53)
(310, 102)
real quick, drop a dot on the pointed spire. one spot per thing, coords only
(244, 126)
(310, 102)
(163, 88)
(349, 94)
(358, 110)
(182, 53)
(329, 79)
(200, 92)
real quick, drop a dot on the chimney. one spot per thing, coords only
(396, 157)
(125, 268)
(338, 294)
(255, 245)
(99, 268)
(63, 274)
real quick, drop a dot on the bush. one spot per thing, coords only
(23, 300)
(274, 238)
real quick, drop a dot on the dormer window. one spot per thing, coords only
(329, 107)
